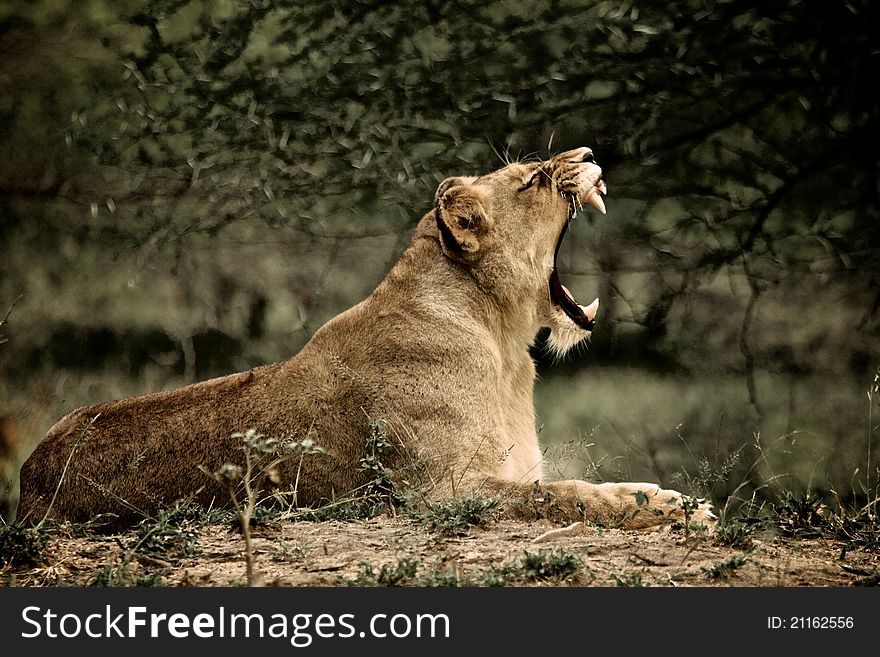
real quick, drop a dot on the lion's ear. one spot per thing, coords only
(455, 181)
(463, 220)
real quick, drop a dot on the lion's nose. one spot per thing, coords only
(577, 155)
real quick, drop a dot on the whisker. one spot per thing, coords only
(502, 157)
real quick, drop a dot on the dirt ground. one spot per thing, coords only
(337, 553)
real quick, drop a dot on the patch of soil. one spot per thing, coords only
(336, 553)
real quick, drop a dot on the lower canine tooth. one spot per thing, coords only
(590, 311)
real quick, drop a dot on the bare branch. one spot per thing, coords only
(5, 320)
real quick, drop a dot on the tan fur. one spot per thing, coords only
(439, 351)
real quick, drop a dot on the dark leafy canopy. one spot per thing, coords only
(746, 131)
(291, 109)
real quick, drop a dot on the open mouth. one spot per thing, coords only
(583, 316)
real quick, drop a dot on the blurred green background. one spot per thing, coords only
(192, 187)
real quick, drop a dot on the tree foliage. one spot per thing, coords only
(736, 136)
(283, 105)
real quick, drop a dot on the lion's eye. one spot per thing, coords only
(531, 181)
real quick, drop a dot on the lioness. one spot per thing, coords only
(439, 353)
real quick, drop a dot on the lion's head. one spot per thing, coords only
(507, 227)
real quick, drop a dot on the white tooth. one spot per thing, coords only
(595, 200)
(590, 311)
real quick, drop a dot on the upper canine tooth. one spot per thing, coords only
(595, 199)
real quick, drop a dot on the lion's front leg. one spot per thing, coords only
(626, 505)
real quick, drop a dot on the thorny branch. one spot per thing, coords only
(5, 320)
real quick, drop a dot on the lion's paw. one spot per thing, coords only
(648, 505)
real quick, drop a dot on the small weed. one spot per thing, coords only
(288, 551)
(371, 499)
(21, 545)
(406, 572)
(859, 526)
(347, 509)
(800, 515)
(456, 516)
(735, 533)
(497, 576)
(112, 575)
(262, 454)
(122, 575)
(174, 532)
(630, 580)
(443, 579)
(724, 569)
(549, 565)
(541, 566)
(688, 506)
(263, 515)
(399, 574)
(380, 485)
